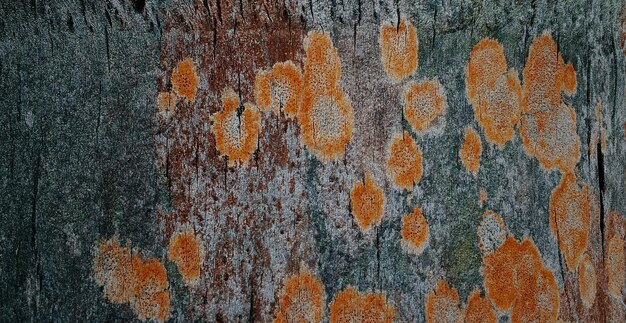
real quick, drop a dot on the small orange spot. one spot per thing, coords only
(349, 305)
(286, 87)
(615, 265)
(185, 79)
(112, 270)
(302, 299)
(587, 281)
(543, 76)
(569, 79)
(152, 300)
(167, 103)
(485, 65)
(185, 251)
(424, 103)
(482, 197)
(236, 134)
(367, 203)
(404, 161)
(479, 309)
(414, 232)
(569, 219)
(263, 90)
(442, 304)
(399, 48)
(491, 232)
(471, 150)
(325, 115)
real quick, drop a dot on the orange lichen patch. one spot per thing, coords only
(543, 76)
(479, 309)
(517, 280)
(569, 79)
(587, 281)
(236, 132)
(112, 270)
(414, 232)
(325, 115)
(286, 87)
(482, 197)
(615, 265)
(569, 219)
(399, 48)
(367, 203)
(302, 299)
(551, 137)
(185, 251)
(495, 95)
(152, 300)
(424, 102)
(442, 304)
(349, 305)
(404, 161)
(263, 89)
(471, 150)
(185, 79)
(167, 103)
(491, 232)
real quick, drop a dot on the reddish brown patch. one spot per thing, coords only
(471, 150)
(185, 251)
(349, 305)
(569, 219)
(615, 265)
(367, 203)
(152, 298)
(167, 103)
(398, 48)
(587, 281)
(479, 309)
(569, 79)
(263, 90)
(302, 299)
(404, 161)
(482, 197)
(442, 304)
(185, 79)
(424, 103)
(414, 232)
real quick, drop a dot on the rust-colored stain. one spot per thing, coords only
(479, 309)
(325, 116)
(494, 93)
(569, 219)
(482, 197)
(398, 48)
(491, 232)
(167, 103)
(236, 132)
(569, 79)
(404, 161)
(185, 79)
(424, 103)
(185, 250)
(349, 305)
(471, 150)
(587, 281)
(414, 232)
(442, 305)
(302, 299)
(263, 90)
(129, 279)
(615, 265)
(367, 201)
(279, 89)
(548, 126)
(517, 280)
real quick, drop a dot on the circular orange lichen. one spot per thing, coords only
(112, 270)
(399, 48)
(286, 87)
(185, 251)
(236, 130)
(485, 65)
(569, 79)
(424, 103)
(442, 304)
(471, 150)
(263, 90)
(551, 137)
(325, 114)
(491, 232)
(404, 161)
(414, 232)
(479, 309)
(367, 203)
(569, 219)
(152, 300)
(587, 281)
(301, 300)
(349, 305)
(615, 265)
(543, 76)
(185, 79)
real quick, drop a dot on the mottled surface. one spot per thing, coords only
(84, 154)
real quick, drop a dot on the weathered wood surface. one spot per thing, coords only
(85, 156)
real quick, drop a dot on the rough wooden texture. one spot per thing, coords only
(85, 155)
